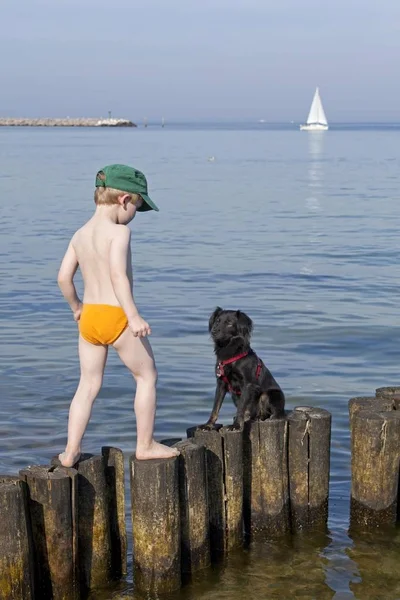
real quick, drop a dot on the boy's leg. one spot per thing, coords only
(137, 355)
(92, 360)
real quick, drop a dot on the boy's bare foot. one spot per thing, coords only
(68, 459)
(156, 450)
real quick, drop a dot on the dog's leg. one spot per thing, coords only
(220, 393)
(263, 408)
(244, 404)
(276, 403)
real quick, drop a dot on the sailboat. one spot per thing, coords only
(316, 120)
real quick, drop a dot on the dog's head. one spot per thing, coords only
(224, 325)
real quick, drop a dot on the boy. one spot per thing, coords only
(108, 315)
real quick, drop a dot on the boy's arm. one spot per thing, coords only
(65, 278)
(120, 246)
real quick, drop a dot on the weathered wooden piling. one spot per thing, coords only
(212, 441)
(224, 459)
(100, 515)
(156, 524)
(266, 493)
(369, 403)
(233, 481)
(115, 483)
(195, 542)
(309, 463)
(392, 392)
(51, 498)
(93, 515)
(16, 565)
(375, 451)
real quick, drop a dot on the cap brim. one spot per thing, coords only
(148, 204)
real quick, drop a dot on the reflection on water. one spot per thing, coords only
(315, 154)
(376, 560)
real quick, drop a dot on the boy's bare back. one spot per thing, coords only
(99, 247)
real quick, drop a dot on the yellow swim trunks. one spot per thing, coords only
(102, 323)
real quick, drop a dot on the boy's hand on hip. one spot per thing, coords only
(77, 313)
(139, 327)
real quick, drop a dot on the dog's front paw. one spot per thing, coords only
(206, 427)
(234, 427)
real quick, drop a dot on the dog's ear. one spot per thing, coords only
(214, 315)
(244, 325)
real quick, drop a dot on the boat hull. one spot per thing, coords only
(314, 127)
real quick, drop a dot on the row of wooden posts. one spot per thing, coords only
(63, 531)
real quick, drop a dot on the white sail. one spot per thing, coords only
(317, 113)
(316, 117)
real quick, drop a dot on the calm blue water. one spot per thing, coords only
(299, 230)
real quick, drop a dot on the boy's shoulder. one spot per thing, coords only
(113, 231)
(121, 232)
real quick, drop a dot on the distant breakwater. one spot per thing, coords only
(66, 122)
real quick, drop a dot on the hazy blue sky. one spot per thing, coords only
(200, 58)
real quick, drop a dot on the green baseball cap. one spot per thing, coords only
(126, 179)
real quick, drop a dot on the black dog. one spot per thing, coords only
(239, 371)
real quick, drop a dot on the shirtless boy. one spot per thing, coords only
(108, 315)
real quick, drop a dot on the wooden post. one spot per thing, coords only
(16, 568)
(375, 468)
(195, 542)
(387, 391)
(224, 457)
(266, 497)
(156, 524)
(115, 481)
(391, 392)
(212, 441)
(309, 461)
(94, 543)
(102, 543)
(369, 403)
(51, 500)
(233, 484)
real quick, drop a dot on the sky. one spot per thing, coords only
(200, 59)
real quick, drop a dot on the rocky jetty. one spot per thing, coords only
(67, 122)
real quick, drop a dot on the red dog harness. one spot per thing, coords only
(221, 372)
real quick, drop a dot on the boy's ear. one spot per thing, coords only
(124, 199)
